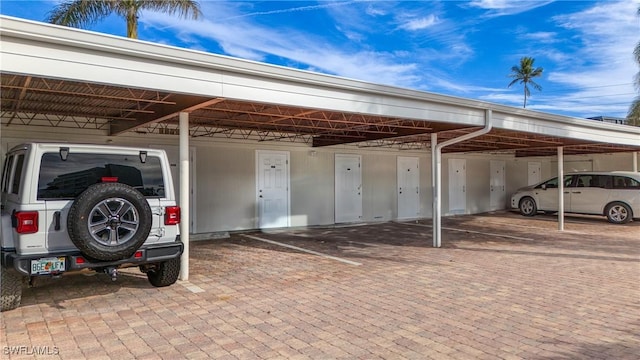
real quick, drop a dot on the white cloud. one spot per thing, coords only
(374, 10)
(245, 39)
(602, 68)
(290, 10)
(542, 37)
(506, 7)
(420, 23)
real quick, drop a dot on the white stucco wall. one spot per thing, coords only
(225, 172)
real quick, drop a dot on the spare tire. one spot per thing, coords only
(109, 221)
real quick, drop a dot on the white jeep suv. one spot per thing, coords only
(69, 207)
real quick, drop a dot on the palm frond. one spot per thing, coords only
(80, 13)
(83, 13)
(633, 117)
(182, 8)
(524, 74)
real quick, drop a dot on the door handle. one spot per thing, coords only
(577, 192)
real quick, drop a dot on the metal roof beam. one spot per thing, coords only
(320, 141)
(161, 112)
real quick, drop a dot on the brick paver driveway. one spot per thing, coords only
(502, 287)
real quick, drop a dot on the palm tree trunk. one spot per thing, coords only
(524, 105)
(132, 24)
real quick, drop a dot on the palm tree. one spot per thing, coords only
(524, 74)
(82, 13)
(633, 117)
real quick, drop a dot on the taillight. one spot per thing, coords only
(172, 215)
(26, 222)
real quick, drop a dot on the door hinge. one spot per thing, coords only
(159, 232)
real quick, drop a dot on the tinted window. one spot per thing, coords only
(550, 184)
(584, 180)
(17, 175)
(623, 182)
(597, 181)
(601, 181)
(553, 183)
(67, 179)
(6, 173)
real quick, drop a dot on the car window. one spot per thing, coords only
(601, 181)
(549, 184)
(583, 181)
(567, 180)
(596, 181)
(553, 183)
(623, 182)
(8, 165)
(17, 175)
(66, 179)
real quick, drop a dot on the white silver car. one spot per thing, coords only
(615, 195)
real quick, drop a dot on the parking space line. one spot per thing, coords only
(303, 250)
(191, 287)
(474, 232)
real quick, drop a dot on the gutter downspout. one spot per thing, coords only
(436, 168)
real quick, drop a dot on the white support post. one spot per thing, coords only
(635, 162)
(436, 167)
(184, 194)
(560, 188)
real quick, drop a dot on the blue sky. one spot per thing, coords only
(459, 48)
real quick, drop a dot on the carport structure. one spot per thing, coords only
(61, 77)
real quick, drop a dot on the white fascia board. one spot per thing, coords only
(47, 50)
(64, 62)
(567, 127)
(339, 99)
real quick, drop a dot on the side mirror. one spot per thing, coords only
(543, 186)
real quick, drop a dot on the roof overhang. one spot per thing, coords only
(131, 85)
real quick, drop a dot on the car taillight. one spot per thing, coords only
(26, 222)
(109, 179)
(172, 215)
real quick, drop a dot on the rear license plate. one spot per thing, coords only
(47, 265)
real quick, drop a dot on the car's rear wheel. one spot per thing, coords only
(165, 273)
(109, 221)
(618, 213)
(528, 206)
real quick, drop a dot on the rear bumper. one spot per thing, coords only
(76, 261)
